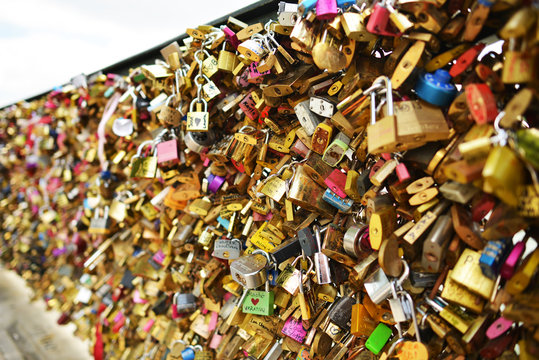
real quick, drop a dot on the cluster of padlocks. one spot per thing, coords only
(345, 181)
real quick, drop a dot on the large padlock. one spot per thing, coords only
(198, 120)
(250, 270)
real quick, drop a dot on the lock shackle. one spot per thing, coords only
(405, 272)
(141, 147)
(318, 237)
(201, 100)
(394, 346)
(311, 263)
(406, 295)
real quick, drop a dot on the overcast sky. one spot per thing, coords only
(43, 43)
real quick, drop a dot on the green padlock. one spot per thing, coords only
(378, 338)
(259, 302)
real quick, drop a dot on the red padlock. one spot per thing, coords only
(481, 102)
(379, 21)
(466, 59)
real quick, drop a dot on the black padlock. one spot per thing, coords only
(307, 242)
(286, 250)
(341, 312)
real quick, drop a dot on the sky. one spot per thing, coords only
(44, 43)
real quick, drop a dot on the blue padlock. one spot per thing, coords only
(343, 204)
(436, 88)
(492, 256)
(306, 5)
(344, 4)
(189, 352)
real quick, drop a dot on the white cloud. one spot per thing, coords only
(46, 42)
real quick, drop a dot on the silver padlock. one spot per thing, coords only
(308, 120)
(250, 271)
(184, 302)
(287, 14)
(227, 249)
(321, 261)
(321, 106)
(99, 225)
(378, 286)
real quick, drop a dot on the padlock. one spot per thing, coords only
(184, 302)
(294, 329)
(340, 312)
(379, 20)
(287, 13)
(100, 225)
(143, 167)
(378, 338)
(198, 120)
(378, 286)
(436, 88)
(189, 352)
(289, 278)
(308, 243)
(336, 150)
(382, 134)
(353, 25)
(436, 243)
(169, 115)
(252, 49)
(227, 60)
(305, 308)
(227, 248)
(308, 120)
(250, 270)
(326, 9)
(259, 302)
(321, 106)
(321, 261)
(321, 137)
(167, 151)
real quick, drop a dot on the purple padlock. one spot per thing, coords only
(215, 182)
(326, 9)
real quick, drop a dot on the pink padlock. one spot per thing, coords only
(498, 327)
(253, 71)
(215, 340)
(402, 172)
(294, 329)
(379, 21)
(167, 152)
(248, 107)
(148, 326)
(159, 257)
(231, 37)
(336, 182)
(326, 9)
(510, 264)
(214, 318)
